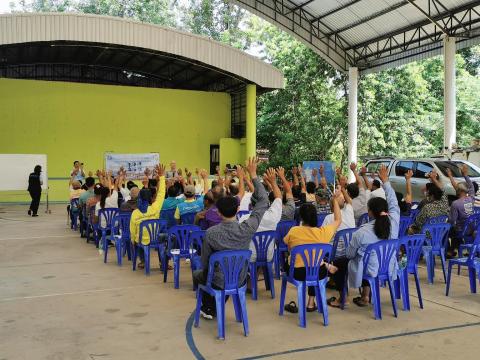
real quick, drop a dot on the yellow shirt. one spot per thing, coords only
(301, 235)
(75, 194)
(153, 212)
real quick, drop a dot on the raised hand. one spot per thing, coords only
(408, 174)
(363, 171)
(338, 171)
(281, 172)
(271, 175)
(322, 170)
(240, 172)
(160, 170)
(353, 166)
(449, 172)
(433, 175)
(294, 170)
(314, 173)
(342, 181)
(147, 172)
(383, 173)
(464, 170)
(251, 166)
(203, 174)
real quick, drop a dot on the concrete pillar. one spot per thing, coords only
(251, 119)
(450, 103)
(352, 116)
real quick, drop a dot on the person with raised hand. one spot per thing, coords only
(357, 193)
(385, 225)
(229, 234)
(288, 210)
(147, 209)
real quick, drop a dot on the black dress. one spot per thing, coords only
(35, 190)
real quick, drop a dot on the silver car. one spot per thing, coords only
(421, 167)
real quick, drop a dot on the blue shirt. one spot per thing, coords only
(171, 203)
(189, 207)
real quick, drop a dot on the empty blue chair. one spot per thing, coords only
(312, 256)
(232, 263)
(441, 219)
(321, 218)
(154, 228)
(363, 219)
(242, 213)
(436, 242)
(283, 227)
(467, 235)
(74, 209)
(188, 218)
(405, 222)
(106, 226)
(122, 236)
(262, 241)
(472, 262)
(412, 247)
(179, 247)
(384, 250)
(169, 216)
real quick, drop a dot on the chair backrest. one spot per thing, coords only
(312, 256)
(405, 222)
(262, 241)
(196, 239)
(363, 219)
(384, 250)
(169, 216)
(476, 209)
(154, 228)
(414, 213)
(123, 220)
(188, 218)
(106, 215)
(436, 235)
(441, 219)
(179, 237)
(344, 235)
(321, 218)
(74, 203)
(475, 246)
(283, 227)
(412, 246)
(472, 222)
(242, 213)
(91, 214)
(231, 263)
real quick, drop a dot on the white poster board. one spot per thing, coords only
(17, 167)
(134, 164)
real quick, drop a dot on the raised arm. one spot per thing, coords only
(287, 189)
(434, 179)
(358, 180)
(408, 196)
(248, 180)
(241, 182)
(295, 176)
(452, 180)
(272, 179)
(204, 177)
(302, 179)
(157, 205)
(315, 178)
(368, 184)
(337, 214)
(323, 179)
(471, 189)
(343, 187)
(393, 208)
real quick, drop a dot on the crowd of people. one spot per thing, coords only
(264, 202)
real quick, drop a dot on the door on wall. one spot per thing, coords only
(214, 158)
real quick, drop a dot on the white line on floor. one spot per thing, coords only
(74, 293)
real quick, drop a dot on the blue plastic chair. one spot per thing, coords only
(476, 209)
(91, 226)
(436, 242)
(472, 262)
(441, 219)
(196, 240)
(74, 209)
(384, 250)
(242, 213)
(405, 222)
(283, 227)
(154, 229)
(344, 236)
(321, 219)
(179, 247)
(83, 222)
(169, 216)
(363, 219)
(122, 236)
(232, 263)
(107, 216)
(188, 218)
(414, 213)
(412, 246)
(262, 241)
(312, 256)
(467, 235)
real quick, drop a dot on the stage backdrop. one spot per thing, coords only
(72, 121)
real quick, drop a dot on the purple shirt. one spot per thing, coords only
(461, 209)
(212, 217)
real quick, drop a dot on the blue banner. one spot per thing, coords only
(329, 166)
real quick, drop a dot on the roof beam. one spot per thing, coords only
(427, 15)
(331, 12)
(298, 7)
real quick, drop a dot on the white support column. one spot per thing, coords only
(352, 116)
(450, 113)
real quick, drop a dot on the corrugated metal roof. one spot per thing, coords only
(23, 28)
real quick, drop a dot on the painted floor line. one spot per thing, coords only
(359, 341)
(189, 337)
(74, 293)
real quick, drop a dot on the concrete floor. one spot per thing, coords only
(59, 301)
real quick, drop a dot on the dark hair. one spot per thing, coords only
(145, 194)
(308, 214)
(217, 193)
(310, 187)
(153, 191)
(105, 192)
(172, 191)
(401, 204)
(376, 183)
(296, 191)
(233, 190)
(37, 169)
(271, 197)
(381, 228)
(434, 191)
(353, 190)
(208, 198)
(89, 181)
(131, 185)
(75, 162)
(98, 189)
(214, 183)
(85, 187)
(152, 183)
(475, 186)
(227, 206)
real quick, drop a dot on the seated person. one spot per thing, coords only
(405, 202)
(212, 216)
(358, 194)
(229, 234)
(322, 203)
(147, 209)
(309, 233)
(200, 216)
(374, 188)
(131, 204)
(345, 203)
(84, 196)
(97, 190)
(191, 205)
(172, 200)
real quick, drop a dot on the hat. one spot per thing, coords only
(322, 193)
(189, 190)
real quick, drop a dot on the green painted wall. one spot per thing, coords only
(232, 151)
(70, 121)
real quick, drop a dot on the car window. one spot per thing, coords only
(422, 170)
(373, 166)
(454, 166)
(402, 167)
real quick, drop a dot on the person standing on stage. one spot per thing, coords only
(35, 190)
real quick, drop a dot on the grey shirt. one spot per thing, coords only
(288, 210)
(230, 235)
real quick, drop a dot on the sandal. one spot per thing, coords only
(312, 309)
(330, 302)
(141, 265)
(358, 301)
(291, 307)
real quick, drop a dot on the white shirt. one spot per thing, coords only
(359, 204)
(245, 202)
(110, 202)
(378, 193)
(348, 218)
(125, 194)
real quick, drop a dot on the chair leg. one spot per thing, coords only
(253, 280)
(134, 257)
(243, 303)
(449, 275)
(302, 310)
(322, 304)
(375, 289)
(283, 292)
(405, 291)
(146, 253)
(105, 248)
(220, 304)
(276, 259)
(473, 280)
(392, 297)
(237, 307)
(119, 245)
(266, 278)
(128, 249)
(419, 291)
(443, 261)
(428, 259)
(198, 307)
(271, 280)
(176, 271)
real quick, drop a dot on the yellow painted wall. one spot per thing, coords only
(71, 121)
(232, 151)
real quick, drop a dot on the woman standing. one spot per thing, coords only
(35, 190)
